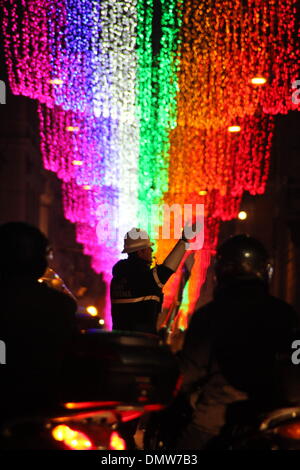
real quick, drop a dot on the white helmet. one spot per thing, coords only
(136, 239)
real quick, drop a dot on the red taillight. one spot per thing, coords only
(91, 404)
(72, 438)
(291, 431)
(116, 442)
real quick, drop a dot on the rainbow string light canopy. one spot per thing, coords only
(132, 117)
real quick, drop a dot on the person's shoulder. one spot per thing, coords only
(138, 265)
(118, 265)
(125, 266)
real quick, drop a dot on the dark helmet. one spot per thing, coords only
(242, 258)
(24, 250)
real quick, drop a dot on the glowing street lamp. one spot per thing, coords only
(72, 128)
(258, 80)
(234, 129)
(242, 215)
(56, 81)
(93, 311)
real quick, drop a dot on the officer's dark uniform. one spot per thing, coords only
(136, 294)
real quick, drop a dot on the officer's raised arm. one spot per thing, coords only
(174, 258)
(136, 289)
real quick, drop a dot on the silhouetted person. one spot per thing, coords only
(36, 322)
(233, 343)
(136, 288)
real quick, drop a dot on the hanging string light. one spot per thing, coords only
(71, 53)
(128, 126)
(157, 87)
(103, 258)
(67, 137)
(25, 31)
(90, 206)
(216, 159)
(84, 156)
(116, 78)
(223, 45)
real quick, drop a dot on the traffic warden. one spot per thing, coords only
(136, 288)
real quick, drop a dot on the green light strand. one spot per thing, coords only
(144, 102)
(166, 76)
(184, 306)
(156, 99)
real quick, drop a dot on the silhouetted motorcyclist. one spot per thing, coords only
(232, 343)
(36, 321)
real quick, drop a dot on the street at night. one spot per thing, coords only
(149, 228)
